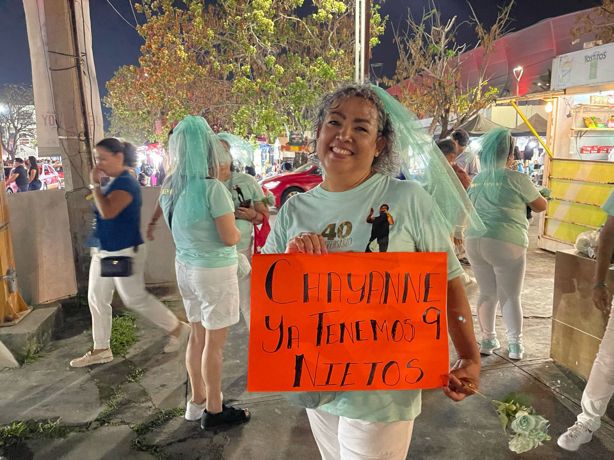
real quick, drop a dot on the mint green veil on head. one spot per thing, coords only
(241, 150)
(495, 148)
(421, 160)
(195, 153)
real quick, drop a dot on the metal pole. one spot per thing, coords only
(357, 41)
(367, 38)
(531, 128)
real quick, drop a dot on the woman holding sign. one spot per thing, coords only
(200, 213)
(364, 138)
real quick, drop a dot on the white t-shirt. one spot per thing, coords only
(412, 223)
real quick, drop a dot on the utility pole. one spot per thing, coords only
(76, 103)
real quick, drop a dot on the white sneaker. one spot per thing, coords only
(176, 342)
(193, 411)
(515, 350)
(575, 436)
(487, 346)
(88, 359)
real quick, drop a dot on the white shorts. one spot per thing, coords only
(210, 295)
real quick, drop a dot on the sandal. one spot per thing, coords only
(228, 417)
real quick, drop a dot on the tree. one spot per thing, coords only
(429, 67)
(253, 67)
(16, 116)
(598, 21)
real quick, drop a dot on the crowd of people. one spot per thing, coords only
(363, 137)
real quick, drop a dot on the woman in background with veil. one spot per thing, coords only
(200, 214)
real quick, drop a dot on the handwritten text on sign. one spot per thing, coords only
(348, 321)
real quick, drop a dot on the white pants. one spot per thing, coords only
(600, 386)
(341, 438)
(499, 270)
(245, 281)
(131, 290)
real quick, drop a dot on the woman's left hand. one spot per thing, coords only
(246, 213)
(463, 380)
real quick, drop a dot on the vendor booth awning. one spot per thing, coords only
(537, 121)
(479, 125)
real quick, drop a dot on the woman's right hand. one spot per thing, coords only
(307, 243)
(151, 228)
(96, 175)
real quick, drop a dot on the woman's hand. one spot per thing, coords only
(463, 380)
(246, 213)
(151, 228)
(96, 175)
(307, 243)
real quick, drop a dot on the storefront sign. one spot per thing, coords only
(588, 67)
(349, 321)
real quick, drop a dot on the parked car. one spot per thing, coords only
(48, 176)
(288, 184)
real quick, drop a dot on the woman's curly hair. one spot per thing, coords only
(387, 162)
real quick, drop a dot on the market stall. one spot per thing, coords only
(580, 173)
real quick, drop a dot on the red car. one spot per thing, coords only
(285, 185)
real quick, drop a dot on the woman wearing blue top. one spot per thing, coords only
(199, 211)
(118, 221)
(361, 207)
(498, 256)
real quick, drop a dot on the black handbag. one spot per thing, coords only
(116, 266)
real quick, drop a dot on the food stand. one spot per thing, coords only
(580, 175)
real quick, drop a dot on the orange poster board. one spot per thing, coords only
(348, 321)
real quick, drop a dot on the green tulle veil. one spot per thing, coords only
(242, 151)
(421, 160)
(195, 153)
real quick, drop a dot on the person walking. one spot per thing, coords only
(19, 175)
(34, 182)
(359, 153)
(117, 234)
(465, 159)
(200, 213)
(600, 385)
(498, 256)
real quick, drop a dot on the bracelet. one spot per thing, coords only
(600, 285)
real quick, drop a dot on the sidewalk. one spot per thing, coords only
(132, 407)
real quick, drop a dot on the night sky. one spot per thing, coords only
(117, 44)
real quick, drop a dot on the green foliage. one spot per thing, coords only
(135, 375)
(160, 418)
(252, 68)
(112, 404)
(17, 432)
(429, 68)
(32, 354)
(123, 334)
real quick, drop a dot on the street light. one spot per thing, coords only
(518, 71)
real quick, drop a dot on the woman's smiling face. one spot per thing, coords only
(348, 140)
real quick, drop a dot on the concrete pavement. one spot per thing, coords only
(128, 409)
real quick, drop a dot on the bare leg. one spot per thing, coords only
(193, 360)
(212, 368)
